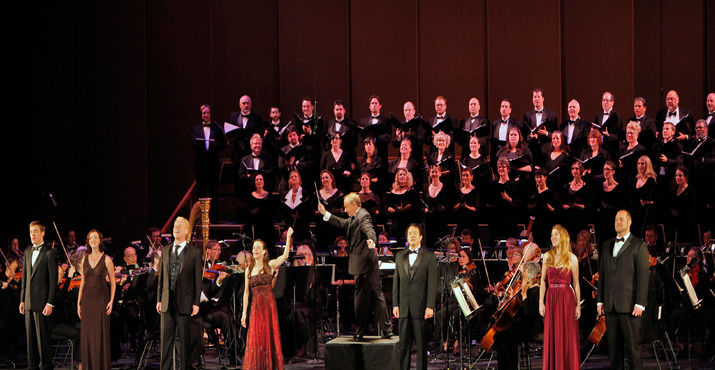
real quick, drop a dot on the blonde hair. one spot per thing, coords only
(410, 180)
(266, 258)
(441, 135)
(563, 248)
(649, 171)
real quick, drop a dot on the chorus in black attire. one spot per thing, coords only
(332, 199)
(538, 126)
(370, 200)
(629, 154)
(556, 161)
(414, 292)
(466, 203)
(408, 161)
(261, 209)
(373, 164)
(593, 157)
(208, 141)
(10, 318)
(248, 123)
(610, 196)
(504, 200)
(609, 123)
(437, 202)
(37, 297)
(476, 163)
(443, 158)
(343, 126)
(339, 163)
(297, 207)
(476, 126)
(648, 129)
(575, 201)
(94, 304)
(402, 203)
(643, 196)
(542, 206)
(682, 204)
(575, 129)
(518, 154)
(667, 153)
(376, 127)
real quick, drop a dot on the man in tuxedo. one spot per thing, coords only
(413, 128)
(376, 126)
(414, 291)
(248, 123)
(610, 124)
(178, 294)
(362, 264)
(474, 125)
(274, 130)
(342, 126)
(710, 104)
(500, 127)
(441, 122)
(538, 126)
(681, 118)
(208, 141)
(295, 156)
(256, 162)
(575, 130)
(623, 293)
(311, 127)
(648, 133)
(39, 285)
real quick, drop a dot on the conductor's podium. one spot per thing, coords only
(343, 353)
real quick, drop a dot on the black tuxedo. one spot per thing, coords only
(381, 132)
(303, 162)
(615, 127)
(542, 143)
(39, 286)
(579, 137)
(177, 304)
(648, 133)
(206, 162)
(346, 132)
(685, 121)
(472, 126)
(363, 264)
(241, 144)
(496, 142)
(266, 166)
(623, 283)
(413, 290)
(274, 137)
(446, 126)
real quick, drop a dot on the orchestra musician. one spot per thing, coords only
(450, 310)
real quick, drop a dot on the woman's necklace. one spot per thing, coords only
(94, 263)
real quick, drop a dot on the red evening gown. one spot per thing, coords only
(561, 339)
(263, 346)
(94, 334)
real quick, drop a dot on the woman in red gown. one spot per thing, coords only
(561, 309)
(263, 346)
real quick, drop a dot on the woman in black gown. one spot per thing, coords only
(556, 161)
(682, 207)
(436, 203)
(339, 163)
(575, 201)
(372, 164)
(542, 206)
(517, 152)
(297, 207)
(408, 161)
(402, 204)
(466, 204)
(476, 163)
(504, 201)
(611, 198)
(629, 154)
(332, 199)
(643, 209)
(593, 157)
(370, 200)
(261, 210)
(442, 157)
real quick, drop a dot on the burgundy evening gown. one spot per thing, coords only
(263, 346)
(561, 339)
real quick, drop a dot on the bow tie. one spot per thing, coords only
(374, 117)
(245, 115)
(606, 113)
(410, 251)
(671, 113)
(571, 122)
(207, 125)
(710, 114)
(36, 248)
(254, 156)
(503, 121)
(539, 111)
(620, 240)
(338, 122)
(438, 117)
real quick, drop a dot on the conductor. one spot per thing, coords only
(363, 264)
(623, 293)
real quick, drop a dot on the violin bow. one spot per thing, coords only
(61, 242)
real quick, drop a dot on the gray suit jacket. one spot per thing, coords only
(359, 230)
(623, 280)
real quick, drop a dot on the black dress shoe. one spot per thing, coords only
(357, 338)
(387, 335)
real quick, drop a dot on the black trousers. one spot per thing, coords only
(368, 296)
(624, 337)
(39, 346)
(175, 330)
(411, 327)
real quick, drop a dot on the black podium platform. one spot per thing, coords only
(343, 353)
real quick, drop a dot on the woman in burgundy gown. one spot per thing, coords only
(560, 309)
(94, 304)
(263, 346)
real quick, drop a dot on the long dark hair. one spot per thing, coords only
(101, 241)
(266, 258)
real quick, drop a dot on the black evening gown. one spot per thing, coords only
(401, 219)
(436, 214)
(558, 169)
(466, 218)
(544, 218)
(576, 219)
(94, 336)
(338, 168)
(260, 221)
(594, 163)
(480, 170)
(640, 214)
(608, 203)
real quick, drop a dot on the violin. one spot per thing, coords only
(74, 282)
(210, 274)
